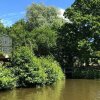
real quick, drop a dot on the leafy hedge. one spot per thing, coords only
(7, 80)
(31, 71)
(52, 69)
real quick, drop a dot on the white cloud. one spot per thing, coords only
(61, 12)
(61, 15)
(6, 22)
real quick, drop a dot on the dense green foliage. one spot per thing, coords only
(7, 80)
(2, 29)
(86, 73)
(38, 30)
(32, 71)
(42, 34)
(52, 69)
(27, 68)
(34, 38)
(79, 40)
(39, 15)
(45, 40)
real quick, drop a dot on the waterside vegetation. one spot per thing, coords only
(46, 46)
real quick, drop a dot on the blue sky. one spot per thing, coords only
(13, 10)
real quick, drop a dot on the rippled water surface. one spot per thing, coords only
(68, 90)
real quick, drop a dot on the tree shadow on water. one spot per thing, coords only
(52, 92)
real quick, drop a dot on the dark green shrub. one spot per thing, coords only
(86, 73)
(32, 71)
(7, 80)
(76, 73)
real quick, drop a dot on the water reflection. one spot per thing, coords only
(69, 90)
(81, 90)
(46, 93)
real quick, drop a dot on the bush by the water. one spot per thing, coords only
(7, 80)
(32, 71)
(52, 69)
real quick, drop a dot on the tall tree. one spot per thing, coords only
(45, 40)
(18, 33)
(81, 37)
(38, 15)
(39, 30)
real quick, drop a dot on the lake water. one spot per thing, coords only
(67, 90)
